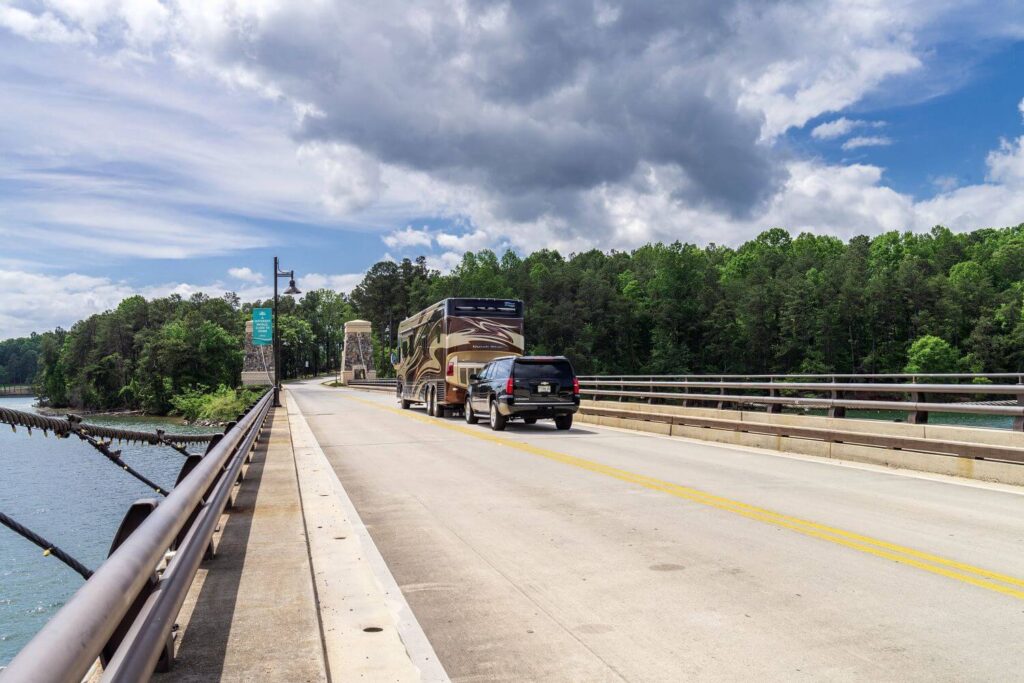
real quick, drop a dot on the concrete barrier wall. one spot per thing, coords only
(984, 470)
(994, 437)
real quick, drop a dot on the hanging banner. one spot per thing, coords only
(262, 326)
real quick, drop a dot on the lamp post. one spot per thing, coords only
(292, 289)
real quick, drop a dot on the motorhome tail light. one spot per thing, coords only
(451, 369)
(576, 385)
(509, 386)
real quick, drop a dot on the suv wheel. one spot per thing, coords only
(563, 421)
(497, 419)
(470, 415)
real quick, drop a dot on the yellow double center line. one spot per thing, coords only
(976, 576)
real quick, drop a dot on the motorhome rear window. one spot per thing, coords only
(490, 308)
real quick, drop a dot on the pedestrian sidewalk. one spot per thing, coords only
(297, 590)
(251, 612)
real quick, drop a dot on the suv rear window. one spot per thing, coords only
(558, 370)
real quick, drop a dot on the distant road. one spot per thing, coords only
(601, 554)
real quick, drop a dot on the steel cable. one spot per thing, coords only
(115, 457)
(64, 427)
(48, 548)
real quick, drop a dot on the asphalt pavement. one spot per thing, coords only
(601, 554)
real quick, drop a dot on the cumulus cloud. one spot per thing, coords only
(37, 302)
(467, 241)
(409, 237)
(351, 180)
(1020, 108)
(867, 141)
(1006, 164)
(340, 283)
(834, 129)
(246, 274)
(43, 27)
(841, 127)
(995, 203)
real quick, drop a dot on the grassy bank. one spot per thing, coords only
(221, 405)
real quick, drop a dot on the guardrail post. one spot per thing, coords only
(213, 442)
(1018, 422)
(774, 407)
(136, 515)
(834, 410)
(721, 404)
(917, 417)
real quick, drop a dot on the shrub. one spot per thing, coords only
(221, 405)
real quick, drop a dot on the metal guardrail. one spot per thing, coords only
(832, 376)
(382, 382)
(16, 390)
(832, 396)
(125, 612)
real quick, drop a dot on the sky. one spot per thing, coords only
(159, 146)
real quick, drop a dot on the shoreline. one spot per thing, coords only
(137, 414)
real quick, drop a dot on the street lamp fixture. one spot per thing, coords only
(292, 289)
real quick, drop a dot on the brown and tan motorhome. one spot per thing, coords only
(442, 345)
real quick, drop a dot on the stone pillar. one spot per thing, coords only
(357, 358)
(258, 366)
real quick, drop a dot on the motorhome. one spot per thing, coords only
(442, 345)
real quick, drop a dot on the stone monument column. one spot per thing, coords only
(258, 366)
(358, 355)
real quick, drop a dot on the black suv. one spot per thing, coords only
(525, 387)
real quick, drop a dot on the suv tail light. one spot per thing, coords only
(451, 368)
(576, 386)
(509, 386)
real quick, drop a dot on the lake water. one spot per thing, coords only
(67, 492)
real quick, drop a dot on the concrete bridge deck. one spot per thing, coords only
(604, 554)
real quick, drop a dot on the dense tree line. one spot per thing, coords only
(19, 359)
(776, 304)
(940, 301)
(159, 354)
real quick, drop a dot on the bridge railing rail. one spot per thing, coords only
(380, 382)
(125, 612)
(916, 398)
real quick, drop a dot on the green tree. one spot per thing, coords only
(929, 354)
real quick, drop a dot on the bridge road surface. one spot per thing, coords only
(601, 554)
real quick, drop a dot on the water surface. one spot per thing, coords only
(67, 492)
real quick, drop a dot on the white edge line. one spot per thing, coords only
(417, 645)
